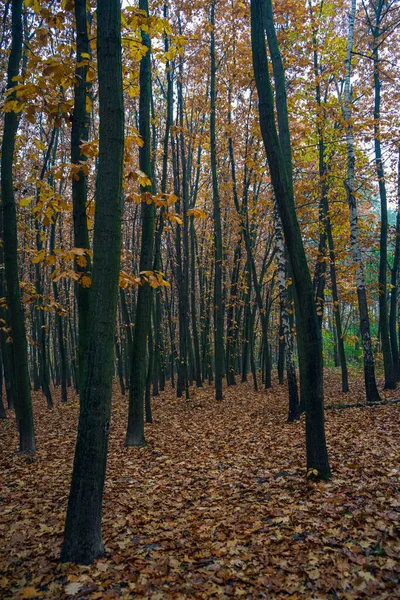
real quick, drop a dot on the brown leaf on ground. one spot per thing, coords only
(216, 506)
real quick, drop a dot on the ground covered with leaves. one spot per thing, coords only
(216, 506)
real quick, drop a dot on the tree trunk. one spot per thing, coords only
(286, 329)
(390, 380)
(393, 281)
(135, 432)
(218, 254)
(82, 536)
(23, 404)
(80, 134)
(369, 365)
(317, 456)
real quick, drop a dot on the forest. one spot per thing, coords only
(199, 299)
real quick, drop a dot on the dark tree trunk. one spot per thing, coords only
(218, 254)
(390, 379)
(80, 134)
(82, 537)
(23, 404)
(135, 432)
(3, 414)
(369, 364)
(149, 377)
(158, 336)
(317, 456)
(60, 329)
(336, 311)
(120, 371)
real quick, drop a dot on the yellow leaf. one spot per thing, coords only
(91, 74)
(13, 106)
(86, 281)
(197, 213)
(26, 201)
(51, 260)
(81, 261)
(39, 257)
(312, 472)
(174, 218)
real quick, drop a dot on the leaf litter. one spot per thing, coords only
(217, 504)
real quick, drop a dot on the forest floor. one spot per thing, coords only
(216, 506)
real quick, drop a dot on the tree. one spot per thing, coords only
(23, 404)
(218, 297)
(79, 135)
(293, 413)
(317, 456)
(346, 105)
(82, 535)
(380, 10)
(135, 431)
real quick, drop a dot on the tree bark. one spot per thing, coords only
(135, 432)
(82, 536)
(218, 254)
(369, 364)
(390, 380)
(293, 413)
(23, 403)
(317, 455)
(393, 281)
(80, 134)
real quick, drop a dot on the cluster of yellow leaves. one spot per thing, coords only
(154, 278)
(136, 175)
(61, 256)
(173, 218)
(48, 202)
(197, 213)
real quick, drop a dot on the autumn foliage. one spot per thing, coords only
(199, 309)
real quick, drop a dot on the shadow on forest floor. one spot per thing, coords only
(216, 506)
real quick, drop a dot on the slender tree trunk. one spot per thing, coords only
(317, 456)
(390, 379)
(158, 337)
(393, 281)
(336, 311)
(135, 432)
(286, 329)
(369, 365)
(5, 348)
(82, 536)
(246, 325)
(196, 343)
(218, 297)
(3, 414)
(149, 377)
(60, 331)
(80, 134)
(23, 404)
(120, 370)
